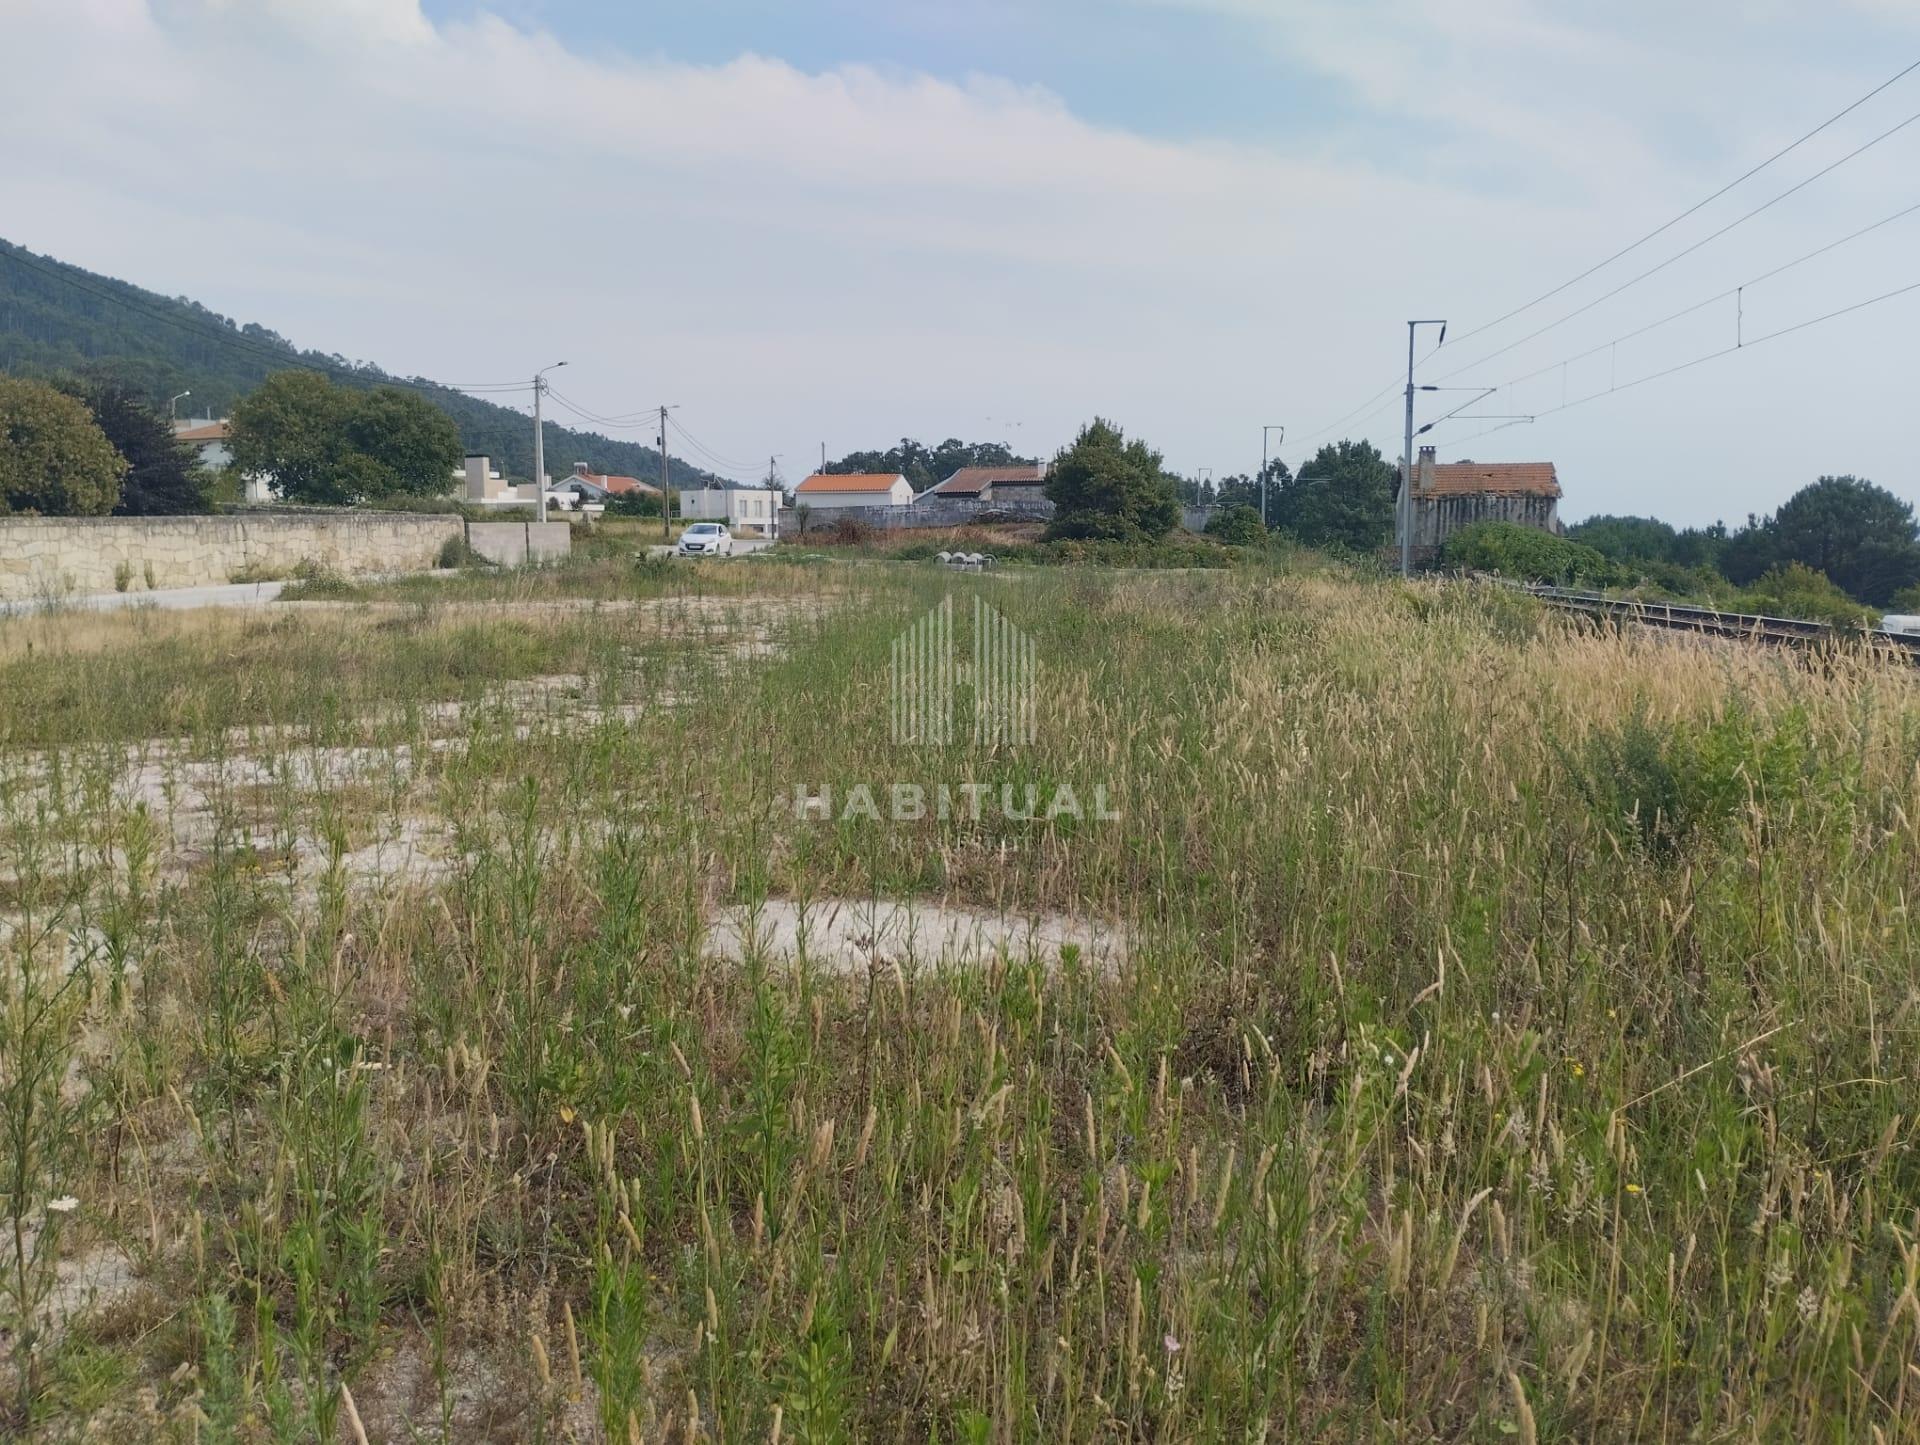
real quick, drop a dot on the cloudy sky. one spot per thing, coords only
(845, 221)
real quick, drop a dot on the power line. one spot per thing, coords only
(1745, 345)
(214, 333)
(1717, 296)
(1679, 255)
(708, 451)
(1691, 210)
(594, 420)
(1368, 408)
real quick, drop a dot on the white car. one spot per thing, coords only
(705, 539)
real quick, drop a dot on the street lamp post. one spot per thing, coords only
(1265, 432)
(172, 418)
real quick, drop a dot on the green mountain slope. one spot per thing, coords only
(56, 318)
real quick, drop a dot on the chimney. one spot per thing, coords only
(479, 469)
(1423, 471)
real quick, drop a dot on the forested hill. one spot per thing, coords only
(56, 318)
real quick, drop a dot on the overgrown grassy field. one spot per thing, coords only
(1475, 1027)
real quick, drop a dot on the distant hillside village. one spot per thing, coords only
(1447, 496)
(970, 494)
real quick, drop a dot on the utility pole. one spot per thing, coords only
(666, 530)
(1265, 432)
(540, 441)
(1406, 454)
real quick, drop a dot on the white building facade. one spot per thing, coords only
(755, 507)
(823, 492)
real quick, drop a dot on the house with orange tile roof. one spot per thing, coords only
(612, 486)
(825, 491)
(209, 439)
(1450, 495)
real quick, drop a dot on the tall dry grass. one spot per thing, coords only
(1515, 1035)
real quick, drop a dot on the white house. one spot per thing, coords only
(822, 492)
(208, 438)
(753, 507)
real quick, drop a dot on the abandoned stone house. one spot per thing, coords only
(1451, 495)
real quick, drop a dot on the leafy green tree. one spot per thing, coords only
(293, 429)
(1240, 490)
(1106, 487)
(1698, 546)
(1862, 536)
(54, 459)
(412, 440)
(1643, 539)
(1343, 497)
(335, 446)
(1749, 551)
(164, 476)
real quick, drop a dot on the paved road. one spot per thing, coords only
(226, 594)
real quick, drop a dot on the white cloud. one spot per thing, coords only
(856, 255)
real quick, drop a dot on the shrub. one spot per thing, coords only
(1670, 785)
(1238, 526)
(849, 532)
(1525, 554)
(633, 504)
(316, 582)
(1797, 590)
(456, 551)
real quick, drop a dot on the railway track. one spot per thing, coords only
(1753, 627)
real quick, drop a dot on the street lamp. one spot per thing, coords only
(1265, 431)
(171, 418)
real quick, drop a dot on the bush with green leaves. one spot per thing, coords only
(1525, 554)
(1668, 785)
(1238, 526)
(1796, 590)
(1106, 488)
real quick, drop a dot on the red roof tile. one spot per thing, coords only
(213, 431)
(616, 485)
(853, 482)
(971, 481)
(1469, 479)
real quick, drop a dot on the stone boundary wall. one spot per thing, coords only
(927, 512)
(54, 557)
